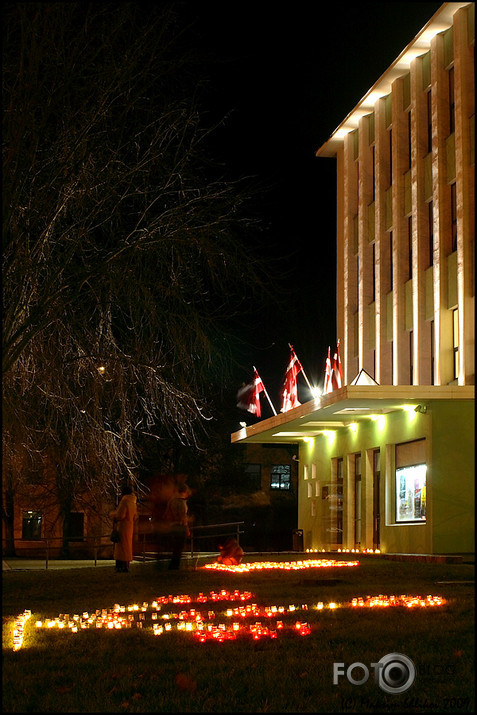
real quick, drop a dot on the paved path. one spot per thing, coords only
(21, 564)
(12, 564)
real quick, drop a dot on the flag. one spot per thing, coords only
(337, 371)
(249, 395)
(289, 393)
(328, 375)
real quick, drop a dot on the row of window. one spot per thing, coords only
(32, 522)
(280, 476)
(409, 498)
(280, 480)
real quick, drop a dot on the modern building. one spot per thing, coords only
(387, 461)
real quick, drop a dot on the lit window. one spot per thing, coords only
(453, 217)
(281, 477)
(31, 525)
(411, 493)
(455, 340)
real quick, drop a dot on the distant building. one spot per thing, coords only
(387, 461)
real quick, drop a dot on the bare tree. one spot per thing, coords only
(123, 255)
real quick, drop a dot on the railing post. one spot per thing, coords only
(47, 554)
(143, 547)
(192, 542)
(95, 550)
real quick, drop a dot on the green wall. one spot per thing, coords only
(453, 477)
(448, 427)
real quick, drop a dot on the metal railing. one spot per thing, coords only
(96, 543)
(235, 532)
(88, 542)
(231, 528)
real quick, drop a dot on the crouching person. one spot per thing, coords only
(231, 552)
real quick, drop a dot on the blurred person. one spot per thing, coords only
(177, 520)
(177, 515)
(231, 553)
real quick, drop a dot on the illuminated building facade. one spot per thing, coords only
(387, 461)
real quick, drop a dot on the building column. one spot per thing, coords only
(465, 186)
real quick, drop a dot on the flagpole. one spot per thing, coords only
(303, 371)
(266, 393)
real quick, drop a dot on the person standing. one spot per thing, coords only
(125, 515)
(177, 515)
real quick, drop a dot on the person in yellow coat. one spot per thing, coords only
(125, 516)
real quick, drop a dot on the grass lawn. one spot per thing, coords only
(131, 670)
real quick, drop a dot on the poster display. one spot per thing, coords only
(411, 493)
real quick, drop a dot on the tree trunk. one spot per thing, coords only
(8, 520)
(66, 505)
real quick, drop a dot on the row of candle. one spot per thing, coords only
(255, 630)
(19, 629)
(282, 565)
(403, 600)
(194, 620)
(344, 551)
(223, 595)
(202, 630)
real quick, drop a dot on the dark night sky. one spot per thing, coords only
(291, 75)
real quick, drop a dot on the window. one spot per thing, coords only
(253, 476)
(429, 121)
(411, 476)
(455, 341)
(454, 217)
(411, 493)
(281, 477)
(390, 157)
(373, 149)
(31, 525)
(409, 144)
(76, 526)
(451, 101)
(430, 216)
(391, 277)
(375, 268)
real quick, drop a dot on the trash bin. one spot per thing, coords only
(297, 536)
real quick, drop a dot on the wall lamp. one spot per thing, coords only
(422, 409)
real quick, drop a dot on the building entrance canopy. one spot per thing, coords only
(348, 405)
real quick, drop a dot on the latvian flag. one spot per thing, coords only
(249, 395)
(337, 372)
(328, 387)
(289, 392)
